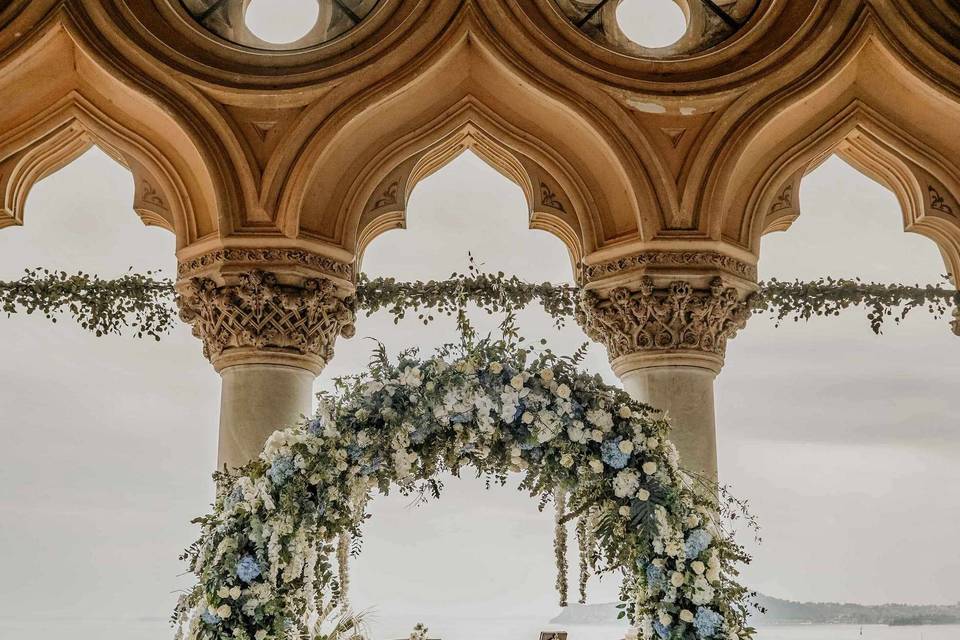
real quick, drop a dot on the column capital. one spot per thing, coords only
(266, 317)
(665, 322)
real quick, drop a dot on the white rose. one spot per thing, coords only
(649, 468)
(260, 635)
(517, 382)
(676, 579)
(496, 367)
(686, 615)
(224, 611)
(224, 592)
(625, 412)
(625, 511)
(692, 521)
(546, 375)
(563, 391)
(713, 575)
(698, 567)
(596, 465)
(665, 618)
(626, 446)
(652, 443)
(643, 495)
(596, 435)
(527, 417)
(566, 460)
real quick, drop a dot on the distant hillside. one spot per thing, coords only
(787, 612)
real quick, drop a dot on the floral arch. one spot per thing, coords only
(265, 561)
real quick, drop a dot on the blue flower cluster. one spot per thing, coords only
(697, 542)
(248, 569)
(315, 426)
(655, 578)
(281, 470)
(707, 622)
(210, 618)
(372, 467)
(611, 454)
(661, 630)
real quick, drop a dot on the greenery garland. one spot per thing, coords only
(266, 556)
(144, 303)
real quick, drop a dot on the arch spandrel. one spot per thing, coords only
(583, 182)
(862, 107)
(76, 101)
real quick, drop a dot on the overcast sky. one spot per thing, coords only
(845, 443)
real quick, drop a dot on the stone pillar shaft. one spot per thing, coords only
(255, 401)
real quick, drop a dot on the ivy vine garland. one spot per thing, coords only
(144, 303)
(266, 558)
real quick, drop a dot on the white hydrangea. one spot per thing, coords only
(626, 483)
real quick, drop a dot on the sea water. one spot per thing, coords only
(395, 628)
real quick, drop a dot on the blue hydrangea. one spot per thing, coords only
(248, 569)
(372, 467)
(281, 469)
(707, 622)
(419, 435)
(233, 498)
(315, 426)
(210, 618)
(655, 578)
(354, 451)
(611, 454)
(697, 542)
(661, 630)
(462, 418)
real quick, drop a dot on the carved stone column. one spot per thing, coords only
(666, 329)
(268, 334)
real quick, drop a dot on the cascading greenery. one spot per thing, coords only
(144, 303)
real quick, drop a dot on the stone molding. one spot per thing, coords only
(678, 319)
(258, 320)
(207, 261)
(668, 259)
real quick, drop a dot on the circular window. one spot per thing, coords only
(652, 23)
(282, 21)
(279, 24)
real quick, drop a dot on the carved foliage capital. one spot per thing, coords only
(678, 318)
(261, 314)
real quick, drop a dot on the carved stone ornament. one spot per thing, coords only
(259, 313)
(266, 256)
(685, 259)
(678, 318)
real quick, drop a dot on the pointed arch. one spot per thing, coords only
(862, 108)
(76, 101)
(351, 180)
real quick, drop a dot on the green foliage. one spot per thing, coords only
(830, 296)
(137, 301)
(143, 303)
